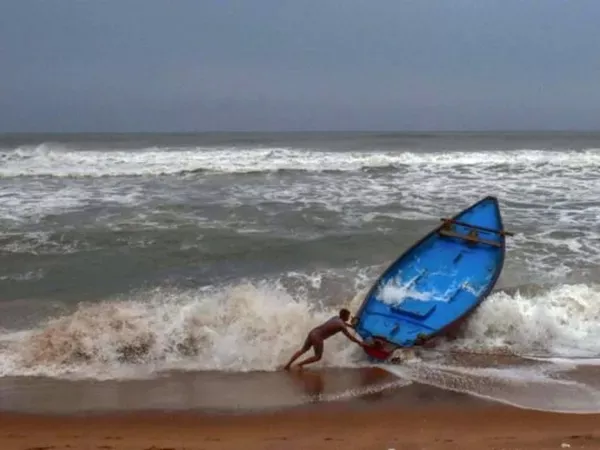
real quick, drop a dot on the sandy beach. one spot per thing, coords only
(324, 427)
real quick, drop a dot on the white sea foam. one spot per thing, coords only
(562, 237)
(31, 275)
(562, 321)
(40, 242)
(535, 387)
(258, 326)
(359, 392)
(554, 191)
(393, 291)
(241, 328)
(57, 161)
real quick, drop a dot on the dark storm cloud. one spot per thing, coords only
(276, 65)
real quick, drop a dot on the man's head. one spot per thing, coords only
(344, 314)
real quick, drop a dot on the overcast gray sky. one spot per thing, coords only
(103, 65)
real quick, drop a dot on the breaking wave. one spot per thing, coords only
(257, 326)
(56, 161)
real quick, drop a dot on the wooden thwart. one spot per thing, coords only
(449, 233)
(464, 224)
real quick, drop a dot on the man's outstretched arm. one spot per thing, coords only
(352, 338)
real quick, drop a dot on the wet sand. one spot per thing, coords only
(215, 392)
(317, 427)
(329, 409)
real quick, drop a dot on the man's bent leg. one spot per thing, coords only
(305, 347)
(318, 346)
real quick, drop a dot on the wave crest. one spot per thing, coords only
(250, 327)
(49, 160)
(240, 328)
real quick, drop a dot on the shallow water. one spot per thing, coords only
(126, 256)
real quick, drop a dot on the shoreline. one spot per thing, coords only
(367, 408)
(221, 393)
(238, 393)
(277, 410)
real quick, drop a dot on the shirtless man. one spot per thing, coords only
(317, 335)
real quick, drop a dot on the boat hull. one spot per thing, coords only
(434, 285)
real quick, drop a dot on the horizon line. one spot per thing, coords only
(257, 131)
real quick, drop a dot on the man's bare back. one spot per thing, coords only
(329, 328)
(317, 336)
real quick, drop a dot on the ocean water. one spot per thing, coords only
(125, 256)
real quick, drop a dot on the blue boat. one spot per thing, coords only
(433, 286)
